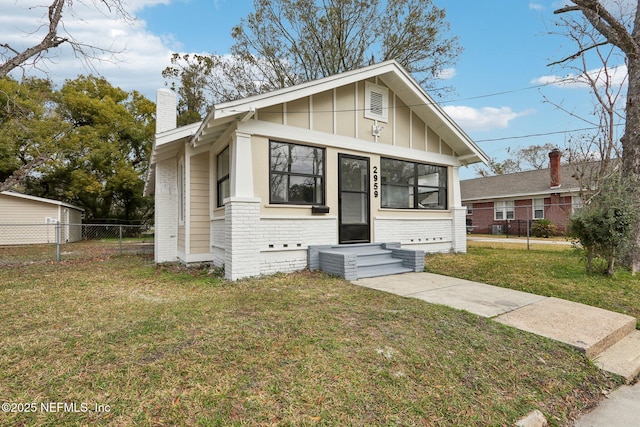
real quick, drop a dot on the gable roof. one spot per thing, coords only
(391, 73)
(40, 199)
(222, 118)
(519, 184)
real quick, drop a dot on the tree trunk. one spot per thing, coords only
(631, 149)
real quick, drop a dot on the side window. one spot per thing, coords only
(181, 191)
(296, 174)
(222, 175)
(538, 208)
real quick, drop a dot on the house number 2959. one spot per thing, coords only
(375, 181)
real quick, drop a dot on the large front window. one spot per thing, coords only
(296, 174)
(408, 185)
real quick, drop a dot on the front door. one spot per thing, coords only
(353, 199)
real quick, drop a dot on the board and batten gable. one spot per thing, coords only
(341, 111)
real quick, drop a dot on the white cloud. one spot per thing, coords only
(536, 6)
(483, 119)
(447, 74)
(616, 76)
(138, 56)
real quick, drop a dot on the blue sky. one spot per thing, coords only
(506, 43)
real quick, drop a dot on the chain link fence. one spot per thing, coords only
(33, 243)
(519, 218)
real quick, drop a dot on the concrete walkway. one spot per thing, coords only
(608, 338)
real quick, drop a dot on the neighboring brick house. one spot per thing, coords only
(509, 203)
(363, 156)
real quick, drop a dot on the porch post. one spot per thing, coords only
(459, 215)
(242, 214)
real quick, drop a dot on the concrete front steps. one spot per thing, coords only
(359, 261)
(622, 358)
(609, 339)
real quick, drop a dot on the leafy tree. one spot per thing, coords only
(605, 226)
(621, 28)
(36, 142)
(110, 134)
(285, 42)
(30, 128)
(523, 159)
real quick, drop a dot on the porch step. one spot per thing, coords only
(368, 260)
(622, 358)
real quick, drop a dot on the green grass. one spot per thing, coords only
(169, 346)
(549, 270)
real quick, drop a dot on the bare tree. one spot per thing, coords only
(286, 42)
(619, 27)
(13, 57)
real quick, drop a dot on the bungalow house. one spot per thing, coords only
(28, 219)
(361, 157)
(509, 203)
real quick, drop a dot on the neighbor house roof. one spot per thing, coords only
(40, 199)
(520, 184)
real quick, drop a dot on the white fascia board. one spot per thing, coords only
(450, 126)
(41, 200)
(177, 133)
(302, 90)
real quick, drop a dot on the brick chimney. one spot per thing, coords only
(554, 167)
(166, 115)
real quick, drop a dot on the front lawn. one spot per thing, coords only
(121, 342)
(549, 270)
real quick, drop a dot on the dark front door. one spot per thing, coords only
(353, 196)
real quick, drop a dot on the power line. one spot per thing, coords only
(541, 134)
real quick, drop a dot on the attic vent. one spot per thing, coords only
(376, 103)
(376, 100)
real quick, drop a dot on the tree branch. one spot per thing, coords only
(577, 54)
(607, 24)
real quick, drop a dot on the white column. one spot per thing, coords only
(241, 164)
(242, 213)
(459, 215)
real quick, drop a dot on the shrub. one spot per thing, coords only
(604, 227)
(543, 228)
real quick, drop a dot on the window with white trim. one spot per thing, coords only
(376, 102)
(538, 208)
(470, 209)
(223, 176)
(504, 210)
(576, 204)
(181, 191)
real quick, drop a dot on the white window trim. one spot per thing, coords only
(182, 192)
(370, 88)
(539, 206)
(504, 207)
(470, 209)
(576, 204)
